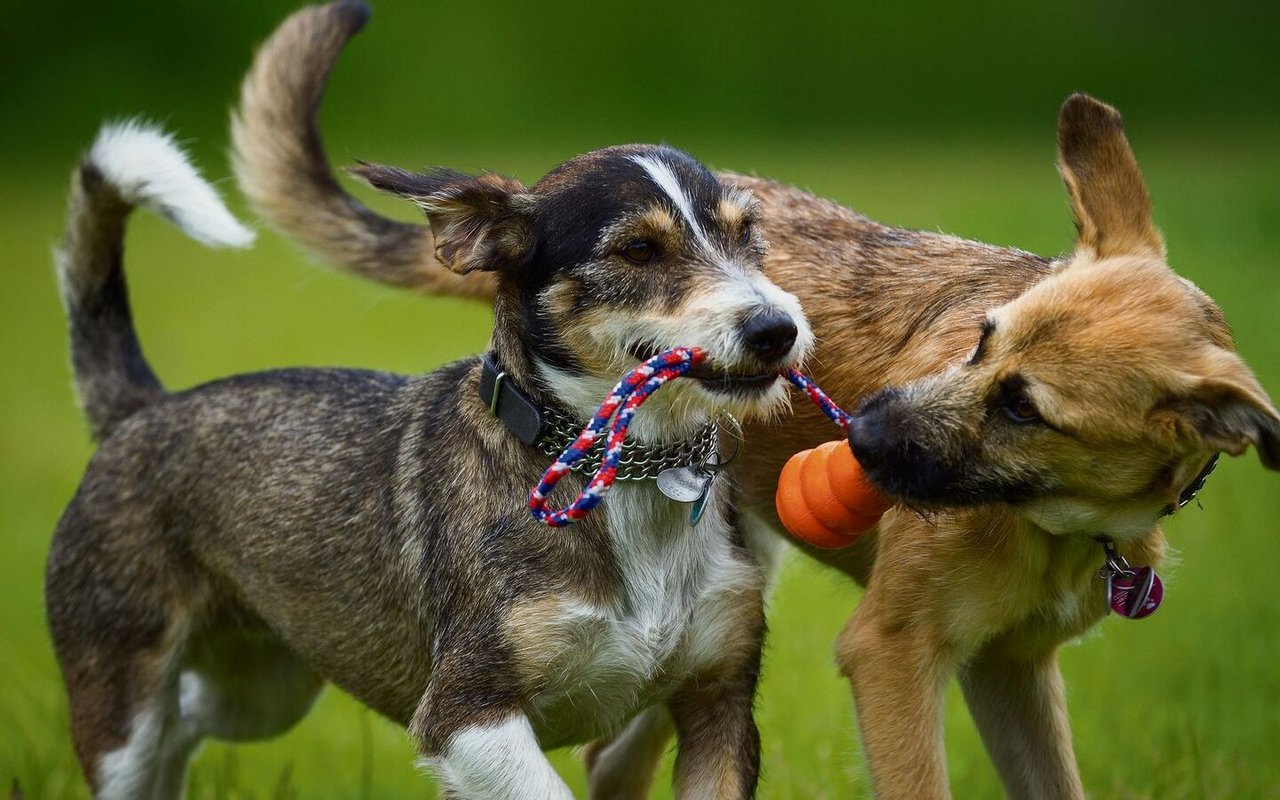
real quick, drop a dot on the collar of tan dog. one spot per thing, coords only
(1136, 591)
(1188, 494)
(551, 430)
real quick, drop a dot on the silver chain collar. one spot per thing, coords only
(639, 462)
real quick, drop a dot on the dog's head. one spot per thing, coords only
(612, 257)
(1092, 402)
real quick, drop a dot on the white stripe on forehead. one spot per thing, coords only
(660, 172)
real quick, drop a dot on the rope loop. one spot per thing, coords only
(614, 417)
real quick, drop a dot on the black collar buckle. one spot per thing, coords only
(506, 402)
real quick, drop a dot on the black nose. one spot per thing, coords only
(870, 431)
(869, 439)
(769, 336)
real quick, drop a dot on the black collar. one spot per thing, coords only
(1188, 494)
(506, 402)
(551, 430)
(1184, 497)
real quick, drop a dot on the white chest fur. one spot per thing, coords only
(683, 596)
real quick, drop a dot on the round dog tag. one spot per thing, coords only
(684, 484)
(1137, 594)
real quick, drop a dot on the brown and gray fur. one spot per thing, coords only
(1102, 385)
(234, 546)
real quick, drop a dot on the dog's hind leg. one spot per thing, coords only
(1019, 706)
(149, 758)
(119, 623)
(242, 684)
(624, 766)
(146, 680)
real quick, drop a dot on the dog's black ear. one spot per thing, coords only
(1228, 412)
(478, 223)
(1108, 195)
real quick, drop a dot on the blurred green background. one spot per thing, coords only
(937, 116)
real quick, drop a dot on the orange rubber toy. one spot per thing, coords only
(824, 498)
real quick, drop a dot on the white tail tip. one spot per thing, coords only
(148, 168)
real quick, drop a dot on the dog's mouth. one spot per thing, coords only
(719, 379)
(906, 464)
(716, 379)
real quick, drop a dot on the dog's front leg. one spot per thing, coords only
(718, 745)
(499, 760)
(476, 740)
(1018, 704)
(898, 671)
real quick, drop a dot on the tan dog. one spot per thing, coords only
(1040, 406)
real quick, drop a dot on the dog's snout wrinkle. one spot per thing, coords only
(876, 402)
(894, 450)
(870, 431)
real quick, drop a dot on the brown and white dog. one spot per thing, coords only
(1029, 406)
(234, 546)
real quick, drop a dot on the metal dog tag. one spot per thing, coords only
(1135, 593)
(688, 485)
(684, 484)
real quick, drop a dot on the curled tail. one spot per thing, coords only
(281, 164)
(129, 165)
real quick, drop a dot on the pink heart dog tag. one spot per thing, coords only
(1135, 593)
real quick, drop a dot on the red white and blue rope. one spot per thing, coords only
(614, 415)
(820, 399)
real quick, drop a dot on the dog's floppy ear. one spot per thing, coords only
(1108, 195)
(478, 223)
(1227, 411)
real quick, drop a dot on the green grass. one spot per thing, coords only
(1186, 704)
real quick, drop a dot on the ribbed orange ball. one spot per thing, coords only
(825, 499)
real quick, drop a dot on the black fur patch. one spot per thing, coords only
(577, 204)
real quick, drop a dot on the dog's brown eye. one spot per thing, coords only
(639, 252)
(744, 233)
(1021, 409)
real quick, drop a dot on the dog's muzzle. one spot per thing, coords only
(768, 341)
(895, 456)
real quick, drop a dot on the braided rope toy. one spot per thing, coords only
(615, 413)
(820, 399)
(826, 513)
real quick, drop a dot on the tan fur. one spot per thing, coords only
(659, 222)
(276, 171)
(733, 211)
(696, 774)
(1108, 196)
(1106, 343)
(622, 768)
(1134, 367)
